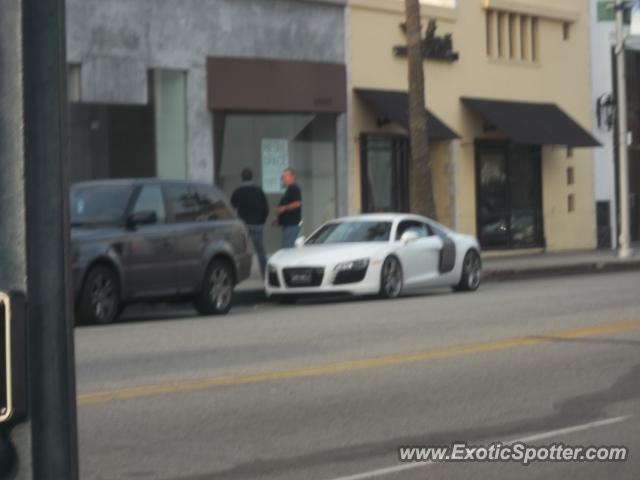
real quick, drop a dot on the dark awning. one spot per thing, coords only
(394, 106)
(532, 123)
(267, 85)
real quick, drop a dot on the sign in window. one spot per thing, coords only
(275, 158)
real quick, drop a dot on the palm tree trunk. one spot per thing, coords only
(421, 200)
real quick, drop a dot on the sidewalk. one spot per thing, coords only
(495, 269)
(556, 264)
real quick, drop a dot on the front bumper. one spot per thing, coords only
(370, 284)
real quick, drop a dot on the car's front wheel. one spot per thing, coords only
(471, 272)
(217, 289)
(100, 296)
(391, 278)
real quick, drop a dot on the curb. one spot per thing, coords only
(589, 268)
(249, 297)
(255, 296)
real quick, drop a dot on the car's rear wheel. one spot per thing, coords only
(216, 295)
(100, 300)
(471, 273)
(391, 278)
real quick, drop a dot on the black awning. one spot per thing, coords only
(394, 106)
(532, 123)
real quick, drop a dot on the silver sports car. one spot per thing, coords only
(384, 254)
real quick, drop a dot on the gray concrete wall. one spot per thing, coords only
(118, 41)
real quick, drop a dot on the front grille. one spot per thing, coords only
(303, 277)
(350, 276)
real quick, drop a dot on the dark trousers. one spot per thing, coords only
(257, 237)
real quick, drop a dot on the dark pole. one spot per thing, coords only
(34, 227)
(13, 261)
(53, 405)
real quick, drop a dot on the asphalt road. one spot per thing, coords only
(330, 390)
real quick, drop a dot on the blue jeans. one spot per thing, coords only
(289, 235)
(257, 238)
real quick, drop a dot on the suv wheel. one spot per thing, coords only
(217, 289)
(100, 296)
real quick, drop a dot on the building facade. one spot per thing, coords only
(201, 89)
(602, 34)
(204, 88)
(604, 89)
(510, 111)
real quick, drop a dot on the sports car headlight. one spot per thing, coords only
(352, 266)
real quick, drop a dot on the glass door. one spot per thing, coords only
(509, 195)
(525, 197)
(492, 205)
(383, 173)
(267, 143)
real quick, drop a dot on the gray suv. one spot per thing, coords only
(148, 240)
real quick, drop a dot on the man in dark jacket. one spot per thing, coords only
(251, 204)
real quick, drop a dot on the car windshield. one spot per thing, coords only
(99, 204)
(349, 232)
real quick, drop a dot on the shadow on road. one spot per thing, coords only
(567, 413)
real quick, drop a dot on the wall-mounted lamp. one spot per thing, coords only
(605, 111)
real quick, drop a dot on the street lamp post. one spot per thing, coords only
(41, 442)
(624, 248)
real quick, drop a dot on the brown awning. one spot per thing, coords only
(532, 123)
(394, 106)
(259, 85)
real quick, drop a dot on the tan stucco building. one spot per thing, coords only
(509, 118)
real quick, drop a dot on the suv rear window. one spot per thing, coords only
(150, 200)
(210, 205)
(182, 203)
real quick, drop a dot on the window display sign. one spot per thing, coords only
(275, 158)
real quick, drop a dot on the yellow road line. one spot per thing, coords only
(127, 393)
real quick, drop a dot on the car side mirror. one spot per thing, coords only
(300, 241)
(146, 217)
(408, 237)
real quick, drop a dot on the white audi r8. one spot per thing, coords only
(384, 254)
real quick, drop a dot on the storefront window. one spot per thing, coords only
(269, 143)
(383, 171)
(509, 193)
(123, 141)
(111, 141)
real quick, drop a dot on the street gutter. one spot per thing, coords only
(586, 268)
